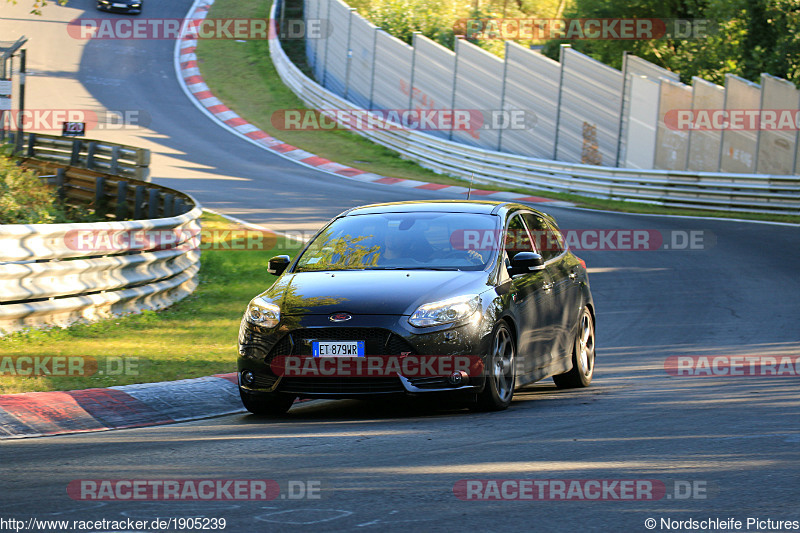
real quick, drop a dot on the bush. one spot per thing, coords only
(26, 199)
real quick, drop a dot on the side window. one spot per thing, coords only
(558, 238)
(517, 238)
(548, 240)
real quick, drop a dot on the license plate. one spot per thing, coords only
(338, 348)
(120, 5)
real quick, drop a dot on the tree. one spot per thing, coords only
(38, 5)
(745, 37)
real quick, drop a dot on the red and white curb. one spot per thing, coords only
(37, 414)
(201, 96)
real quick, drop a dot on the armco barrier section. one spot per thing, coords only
(102, 156)
(704, 190)
(589, 104)
(56, 274)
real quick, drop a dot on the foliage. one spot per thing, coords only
(745, 37)
(39, 4)
(26, 199)
(441, 21)
(402, 18)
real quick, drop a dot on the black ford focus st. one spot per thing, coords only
(471, 299)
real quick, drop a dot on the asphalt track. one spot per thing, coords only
(394, 467)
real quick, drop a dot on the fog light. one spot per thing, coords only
(248, 378)
(458, 378)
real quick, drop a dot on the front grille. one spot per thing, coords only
(349, 385)
(377, 341)
(282, 347)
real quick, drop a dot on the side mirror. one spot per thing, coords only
(278, 264)
(524, 262)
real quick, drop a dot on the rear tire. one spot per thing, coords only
(267, 404)
(582, 356)
(500, 371)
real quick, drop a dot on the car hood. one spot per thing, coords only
(373, 292)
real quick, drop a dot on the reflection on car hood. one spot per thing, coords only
(375, 292)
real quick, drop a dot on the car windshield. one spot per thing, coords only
(404, 241)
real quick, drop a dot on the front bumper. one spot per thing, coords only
(128, 9)
(384, 335)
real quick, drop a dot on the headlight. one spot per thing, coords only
(444, 311)
(262, 313)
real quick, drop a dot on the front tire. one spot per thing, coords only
(267, 404)
(501, 371)
(582, 356)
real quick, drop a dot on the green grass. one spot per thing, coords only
(256, 91)
(193, 338)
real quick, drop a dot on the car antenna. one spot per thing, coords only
(469, 191)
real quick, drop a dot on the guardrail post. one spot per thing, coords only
(503, 100)
(61, 174)
(100, 196)
(152, 203)
(622, 108)
(349, 52)
(325, 57)
(31, 144)
(413, 70)
(90, 155)
(75, 156)
(138, 202)
(169, 205)
(372, 72)
(560, 93)
(121, 211)
(456, 46)
(114, 160)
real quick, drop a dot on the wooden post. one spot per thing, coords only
(152, 203)
(122, 200)
(138, 203)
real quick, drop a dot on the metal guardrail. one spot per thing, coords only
(755, 193)
(56, 274)
(112, 158)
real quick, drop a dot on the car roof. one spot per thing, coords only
(438, 206)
